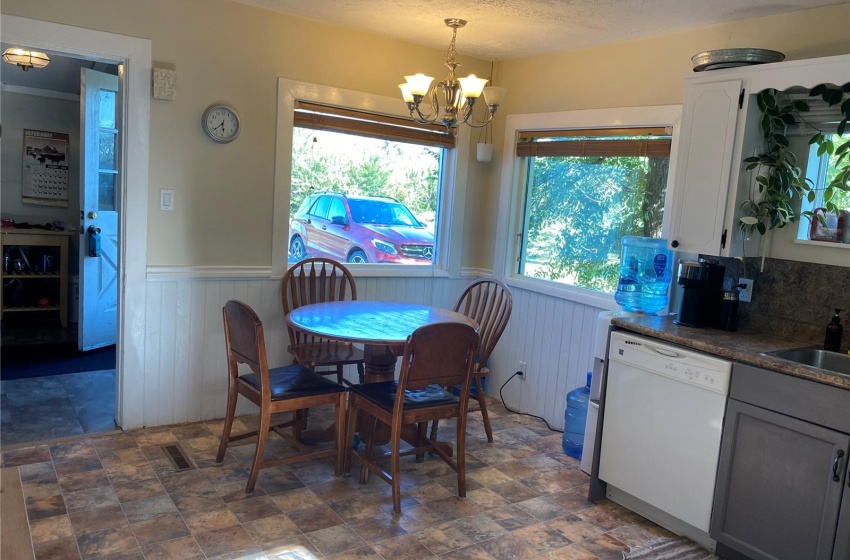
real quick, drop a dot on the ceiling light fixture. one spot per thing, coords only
(25, 59)
(457, 95)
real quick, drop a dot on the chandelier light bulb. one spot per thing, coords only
(472, 86)
(405, 93)
(419, 83)
(494, 95)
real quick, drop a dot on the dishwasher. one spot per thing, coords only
(663, 418)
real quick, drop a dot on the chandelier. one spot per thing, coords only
(453, 97)
(26, 59)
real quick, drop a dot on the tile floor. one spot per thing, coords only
(56, 406)
(117, 496)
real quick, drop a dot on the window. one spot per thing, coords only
(359, 181)
(377, 174)
(820, 171)
(579, 181)
(584, 190)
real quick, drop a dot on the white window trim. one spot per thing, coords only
(453, 193)
(511, 196)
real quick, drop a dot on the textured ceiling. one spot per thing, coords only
(503, 29)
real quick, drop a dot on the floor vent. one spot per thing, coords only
(177, 457)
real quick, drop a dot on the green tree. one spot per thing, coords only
(580, 207)
(357, 165)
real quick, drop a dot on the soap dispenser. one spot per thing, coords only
(834, 330)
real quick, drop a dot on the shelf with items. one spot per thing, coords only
(35, 272)
(30, 276)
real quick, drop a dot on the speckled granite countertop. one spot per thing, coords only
(741, 346)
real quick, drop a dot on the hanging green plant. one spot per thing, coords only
(779, 182)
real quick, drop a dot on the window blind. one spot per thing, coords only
(613, 142)
(388, 127)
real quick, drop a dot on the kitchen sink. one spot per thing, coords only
(816, 357)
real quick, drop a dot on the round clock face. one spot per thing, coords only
(221, 123)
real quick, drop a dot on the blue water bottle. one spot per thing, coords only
(575, 417)
(645, 274)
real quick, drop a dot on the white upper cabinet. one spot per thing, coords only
(720, 127)
(705, 162)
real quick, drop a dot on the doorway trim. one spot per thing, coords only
(135, 54)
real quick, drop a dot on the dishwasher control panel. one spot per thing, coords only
(675, 362)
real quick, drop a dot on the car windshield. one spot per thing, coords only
(383, 213)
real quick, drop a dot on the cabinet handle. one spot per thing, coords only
(674, 243)
(836, 463)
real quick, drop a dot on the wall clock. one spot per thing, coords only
(221, 123)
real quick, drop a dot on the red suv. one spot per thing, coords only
(358, 229)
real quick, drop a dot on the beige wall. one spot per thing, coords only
(646, 72)
(226, 51)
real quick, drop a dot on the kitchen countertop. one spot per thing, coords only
(740, 346)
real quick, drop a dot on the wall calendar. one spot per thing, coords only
(45, 177)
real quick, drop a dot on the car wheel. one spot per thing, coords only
(297, 249)
(358, 257)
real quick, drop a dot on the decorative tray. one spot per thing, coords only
(730, 58)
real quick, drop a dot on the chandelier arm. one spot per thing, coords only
(422, 119)
(432, 115)
(469, 117)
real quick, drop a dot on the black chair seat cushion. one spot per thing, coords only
(383, 394)
(296, 380)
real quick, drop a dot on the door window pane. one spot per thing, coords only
(106, 113)
(106, 191)
(106, 159)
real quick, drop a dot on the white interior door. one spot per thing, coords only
(99, 203)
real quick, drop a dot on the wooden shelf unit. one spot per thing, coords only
(11, 237)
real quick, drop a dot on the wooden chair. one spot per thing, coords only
(319, 280)
(489, 303)
(435, 356)
(292, 388)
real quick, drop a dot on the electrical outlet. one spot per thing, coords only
(746, 293)
(521, 369)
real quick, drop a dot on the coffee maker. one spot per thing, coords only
(702, 292)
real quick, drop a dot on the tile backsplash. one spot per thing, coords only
(793, 299)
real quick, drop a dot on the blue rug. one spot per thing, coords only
(22, 362)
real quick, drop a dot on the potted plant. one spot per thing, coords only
(779, 181)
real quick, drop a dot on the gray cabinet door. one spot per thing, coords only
(776, 497)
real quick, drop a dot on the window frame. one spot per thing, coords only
(449, 230)
(512, 191)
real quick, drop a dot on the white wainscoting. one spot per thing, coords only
(185, 375)
(554, 337)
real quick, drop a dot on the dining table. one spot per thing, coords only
(381, 326)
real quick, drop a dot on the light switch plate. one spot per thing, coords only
(166, 199)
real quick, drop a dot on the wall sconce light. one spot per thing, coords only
(25, 59)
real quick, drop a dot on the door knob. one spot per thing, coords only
(93, 236)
